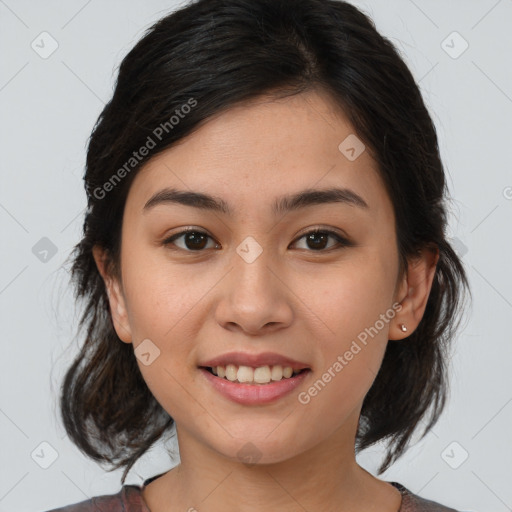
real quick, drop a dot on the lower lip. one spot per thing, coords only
(255, 394)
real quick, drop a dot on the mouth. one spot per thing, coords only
(260, 375)
(259, 386)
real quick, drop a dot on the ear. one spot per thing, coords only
(115, 296)
(413, 292)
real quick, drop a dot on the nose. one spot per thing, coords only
(255, 297)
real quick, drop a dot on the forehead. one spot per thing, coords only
(255, 152)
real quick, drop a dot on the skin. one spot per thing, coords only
(196, 305)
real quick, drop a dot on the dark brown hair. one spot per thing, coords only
(215, 54)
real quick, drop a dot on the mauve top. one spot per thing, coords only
(129, 499)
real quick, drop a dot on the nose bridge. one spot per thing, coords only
(252, 266)
(254, 296)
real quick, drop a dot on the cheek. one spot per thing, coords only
(159, 294)
(350, 297)
(355, 309)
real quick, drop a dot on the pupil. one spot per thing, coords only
(314, 236)
(195, 238)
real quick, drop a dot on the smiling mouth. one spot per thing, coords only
(249, 375)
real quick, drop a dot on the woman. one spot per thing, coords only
(264, 263)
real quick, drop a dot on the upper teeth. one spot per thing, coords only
(260, 375)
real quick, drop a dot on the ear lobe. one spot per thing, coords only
(417, 283)
(115, 297)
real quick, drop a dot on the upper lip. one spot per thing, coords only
(254, 360)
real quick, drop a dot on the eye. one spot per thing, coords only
(194, 240)
(317, 238)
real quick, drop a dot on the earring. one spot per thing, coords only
(403, 327)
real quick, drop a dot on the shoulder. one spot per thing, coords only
(128, 499)
(414, 503)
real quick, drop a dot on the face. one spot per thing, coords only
(253, 280)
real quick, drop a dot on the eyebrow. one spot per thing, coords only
(283, 204)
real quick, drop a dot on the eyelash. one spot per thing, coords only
(342, 241)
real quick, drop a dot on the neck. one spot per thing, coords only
(325, 477)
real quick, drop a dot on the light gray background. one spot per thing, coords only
(47, 110)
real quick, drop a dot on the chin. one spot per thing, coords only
(259, 451)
